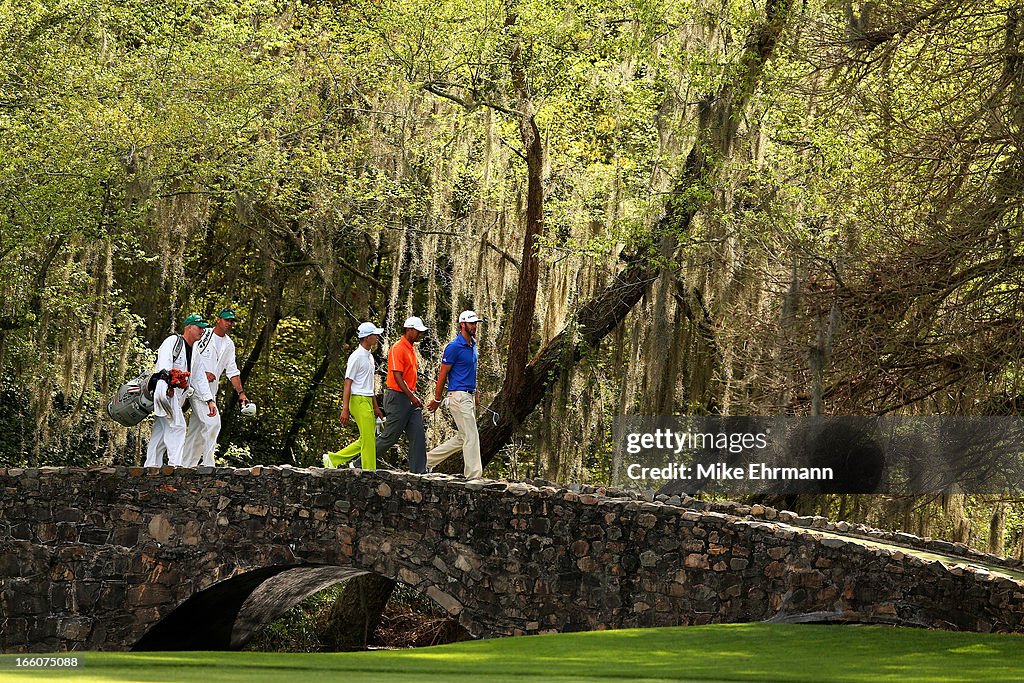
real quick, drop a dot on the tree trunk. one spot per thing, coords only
(521, 325)
(356, 613)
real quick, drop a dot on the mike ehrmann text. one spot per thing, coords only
(722, 471)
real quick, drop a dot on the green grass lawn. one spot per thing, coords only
(733, 652)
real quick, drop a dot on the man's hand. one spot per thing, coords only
(432, 406)
(416, 401)
(213, 407)
(210, 377)
(378, 412)
(344, 415)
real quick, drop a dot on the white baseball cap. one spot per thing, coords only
(366, 329)
(415, 323)
(469, 317)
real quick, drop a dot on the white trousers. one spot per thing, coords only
(201, 438)
(462, 406)
(168, 437)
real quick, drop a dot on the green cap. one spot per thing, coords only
(195, 319)
(227, 314)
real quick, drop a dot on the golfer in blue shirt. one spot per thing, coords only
(458, 370)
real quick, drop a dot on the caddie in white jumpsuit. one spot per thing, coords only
(169, 422)
(218, 351)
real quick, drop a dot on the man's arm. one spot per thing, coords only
(346, 395)
(236, 382)
(442, 379)
(234, 376)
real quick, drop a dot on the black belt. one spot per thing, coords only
(468, 391)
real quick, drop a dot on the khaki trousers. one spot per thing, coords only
(462, 406)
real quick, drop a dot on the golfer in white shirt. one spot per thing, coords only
(360, 401)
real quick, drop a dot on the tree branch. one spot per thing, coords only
(468, 105)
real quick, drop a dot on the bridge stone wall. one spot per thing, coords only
(99, 558)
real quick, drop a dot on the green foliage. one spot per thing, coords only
(300, 629)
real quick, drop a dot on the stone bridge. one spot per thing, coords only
(133, 558)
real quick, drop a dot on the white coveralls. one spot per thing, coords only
(201, 441)
(169, 421)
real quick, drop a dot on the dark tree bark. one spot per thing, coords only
(356, 613)
(525, 306)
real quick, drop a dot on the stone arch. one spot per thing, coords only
(227, 614)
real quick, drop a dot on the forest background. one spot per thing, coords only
(757, 207)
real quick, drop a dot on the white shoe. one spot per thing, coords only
(327, 462)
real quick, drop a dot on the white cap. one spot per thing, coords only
(469, 317)
(366, 329)
(415, 323)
